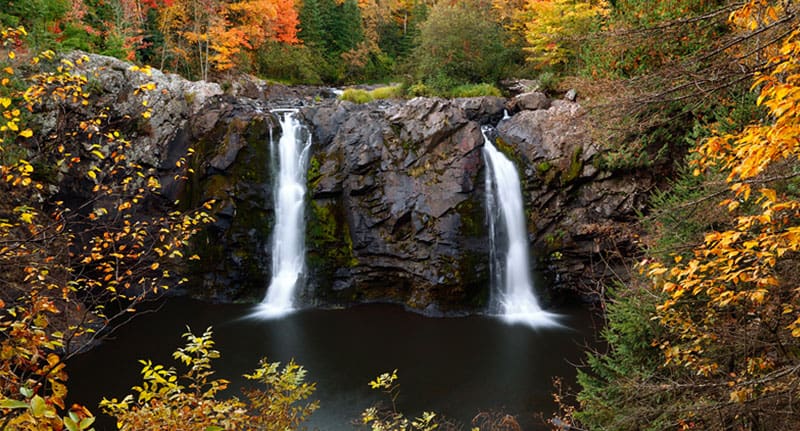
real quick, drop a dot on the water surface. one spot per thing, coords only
(454, 366)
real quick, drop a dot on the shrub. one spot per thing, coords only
(190, 401)
(356, 95)
(391, 419)
(419, 90)
(475, 90)
(53, 304)
(390, 92)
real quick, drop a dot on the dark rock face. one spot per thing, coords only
(581, 219)
(396, 207)
(232, 169)
(229, 137)
(403, 178)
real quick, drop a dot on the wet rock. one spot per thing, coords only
(582, 218)
(483, 110)
(410, 169)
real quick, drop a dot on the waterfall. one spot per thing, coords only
(512, 287)
(288, 236)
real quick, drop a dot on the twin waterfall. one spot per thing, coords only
(512, 289)
(288, 236)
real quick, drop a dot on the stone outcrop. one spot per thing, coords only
(396, 188)
(229, 136)
(401, 182)
(581, 218)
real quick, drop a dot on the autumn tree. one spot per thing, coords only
(248, 25)
(38, 17)
(733, 310)
(717, 346)
(74, 265)
(553, 29)
(214, 36)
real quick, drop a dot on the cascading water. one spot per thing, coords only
(288, 236)
(512, 290)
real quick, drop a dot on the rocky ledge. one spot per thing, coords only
(396, 206)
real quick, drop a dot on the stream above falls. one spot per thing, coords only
(456, 366)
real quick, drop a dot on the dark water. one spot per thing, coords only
(454, 366)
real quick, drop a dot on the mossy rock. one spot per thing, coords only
(235, 250)
(575, 167)
(329, 247)
(473, 219)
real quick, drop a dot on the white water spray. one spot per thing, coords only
(512, 291)
(288, 236)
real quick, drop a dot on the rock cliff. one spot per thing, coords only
(396, 188)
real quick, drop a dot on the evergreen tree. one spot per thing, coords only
(345, 28)
(312, 23)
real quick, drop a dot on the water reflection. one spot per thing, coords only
(455, 366)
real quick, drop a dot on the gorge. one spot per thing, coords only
(414, 215)
(396, 213)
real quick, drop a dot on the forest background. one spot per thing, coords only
(703, 333)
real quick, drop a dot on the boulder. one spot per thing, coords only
(530, 101)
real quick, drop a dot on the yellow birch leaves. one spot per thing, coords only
(731, 305)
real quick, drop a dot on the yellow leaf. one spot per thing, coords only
(739, 396)
(154, 266)
(769, 194)
(12, 55)
(5, 101)
(772, 14)
(27, 133)
(26, 217)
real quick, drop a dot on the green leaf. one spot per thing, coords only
(214, 428)
(86, 422)
(71, 425)
(38, 406)
(8, 403)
